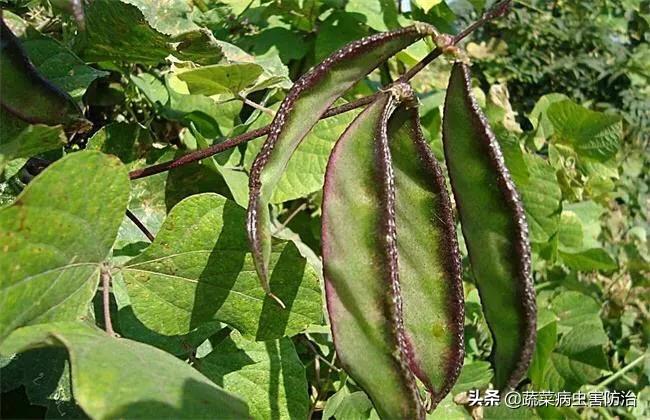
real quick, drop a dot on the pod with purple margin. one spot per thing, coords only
(304, 105)
(391, 261)
(494, 227)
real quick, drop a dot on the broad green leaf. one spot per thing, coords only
(574, 309)
(307, 101)
(578, 358)
(55, 237)
(288, 44)
(220, 78)
(268, 375)
(60, 65)
(539, 118)
(591, 134)
(19, 139)
(495, 229)
(336, 31)
(589, 260)
(152, 88)
(199, 270)
(474, 375)
(449, 410)
(104, 383)
(541, 196)
(129, 326)
(380, 15)
(275, 73)
(348, 405)
(45, 374)
(427, 5)
(119, 31)
(167, 16)
(305, 172)
(364, 333)
(546, 342)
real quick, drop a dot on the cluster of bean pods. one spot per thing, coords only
(390, 255)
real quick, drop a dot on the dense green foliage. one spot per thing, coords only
(563, 83)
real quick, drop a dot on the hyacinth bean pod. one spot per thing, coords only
(494, 227)
(304, 105)
(391, 260)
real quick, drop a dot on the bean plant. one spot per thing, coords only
(202, 303)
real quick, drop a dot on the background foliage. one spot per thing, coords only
(564, 84)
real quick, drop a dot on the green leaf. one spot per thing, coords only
(129, 326)
(55, 236)
(475, 375)
(45, 374)
(594, 135)
(348, 405)
(269, 376)
(104, 384)
(19, 139)
(275, 73)
(427, 5)
(119, 31)
(546, 342)
(60, 65)
(199, 270)
(541, 196)
(494, 227)
(578, 359)
(167, 16)
(220, 78)
(539, 118)
(336, 31)
(589, 260)
(380, 15)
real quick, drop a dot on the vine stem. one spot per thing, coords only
(106, 299)
(620, 373)
(500, 9)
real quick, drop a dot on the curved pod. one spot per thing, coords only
(494, 227)
(391, 262)
(305, 103)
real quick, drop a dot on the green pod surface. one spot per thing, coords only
(25, 93)
(430, 271)
(494, 227)
(304, 105)
(392, 269)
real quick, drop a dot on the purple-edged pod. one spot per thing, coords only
(430, 271)
(304, 105)
(27, 95)
(494, 227)
(392, 270)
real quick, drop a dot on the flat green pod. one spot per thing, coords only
(430, 272)
(494, 227)
(26, 94)
(355, 269)
(306, 102)
(391, 260)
